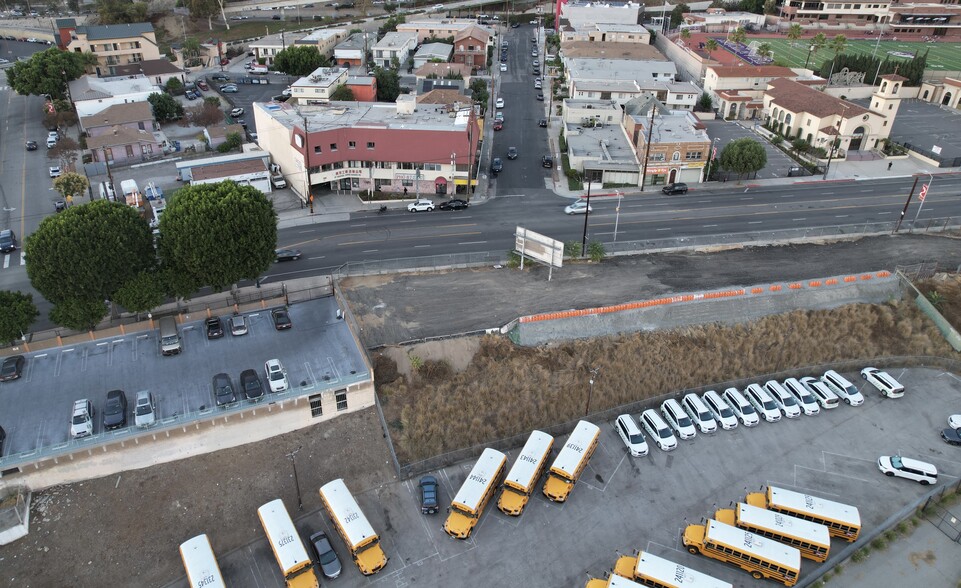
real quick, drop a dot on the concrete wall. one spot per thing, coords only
(728, 307)
(690, 68)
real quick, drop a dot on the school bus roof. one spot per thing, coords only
(529, 460)
(282, 536)
(200, 563)
(668, 573)
(574, 449)
(805, 503)
(481, 477)
(739, 539)
(346, 513)
(781, 523)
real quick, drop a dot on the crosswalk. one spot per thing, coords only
(14, 259)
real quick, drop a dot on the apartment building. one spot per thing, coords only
(676, 145)
(317, 87)
(324, 39)
(113, 45)
(439, 29)
(738, 92)
(394, 47)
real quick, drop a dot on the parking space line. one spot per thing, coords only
(825, 471)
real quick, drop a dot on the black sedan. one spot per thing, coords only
(497, 166)
(455, 204)
(325, 555)
(951, 436)
(12, 368)
(281, 319)
(215, 327)
(429, 504)
(31, 145)
(224, 390)
(115, 410)
(287, 254)
(251, 385)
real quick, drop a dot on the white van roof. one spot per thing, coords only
(344, 509)
(529, 459)
(572, 453)
(481, 476)
(282, 535)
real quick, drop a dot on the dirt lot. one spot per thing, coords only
(83, 534)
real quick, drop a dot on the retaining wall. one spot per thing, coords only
(725, 306)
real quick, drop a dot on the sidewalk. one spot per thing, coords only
(926, 558)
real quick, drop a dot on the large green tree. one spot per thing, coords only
(71, 184)
(215, 235)
(165, 107)
(300, 60)
(743, 156)
(342, 93)
(48, 72)
(17, 313)
(677, 14)
(87, 252)
(388, 84)
(121, 12)
(141, 293)
(79, 314)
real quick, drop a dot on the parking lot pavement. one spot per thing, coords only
(247, 94)
(622, 503)
(778, 164)
(36, 408)
(925, 125)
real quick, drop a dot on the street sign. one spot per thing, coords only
(540, 248)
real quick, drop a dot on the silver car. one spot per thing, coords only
(145, 411)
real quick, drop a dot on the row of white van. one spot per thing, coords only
(769, 401)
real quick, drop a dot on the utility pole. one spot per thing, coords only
(647, 149)
(587, 213)
(906, 204)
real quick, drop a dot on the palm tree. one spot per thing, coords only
(738, 35)
(686, 34)
(817, 43)
(710, 47)
(764, 50)
(794, 33)
(838, 44)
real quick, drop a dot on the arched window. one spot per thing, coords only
(676, 156)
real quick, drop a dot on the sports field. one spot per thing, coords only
(941, 56)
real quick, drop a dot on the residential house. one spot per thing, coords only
(158, 71)
(266, 48)
(136, 116)
(319, 85)
(91, 95)
(439, 29)
(113, 45)
(249, 168)
(452, 97)
(470, 47)
(675, 146)
(583, 15)
(324, 39)
(394, 48)
(738, 92)
(609, 50)
(364, 88)
(352, 51)
(606, 78)
(216, 135)
(432, 52)
(615, 32)
(447, 71)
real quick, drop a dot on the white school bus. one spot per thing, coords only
(200, 563)
(474, 494)
(288, 549)
(522, 478)
(353, 527)
(657, 572)
(812, 539)
(571, 461)
(613, 581)
(842, 520)
(760, 556)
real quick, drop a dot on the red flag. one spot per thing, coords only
(924, 192)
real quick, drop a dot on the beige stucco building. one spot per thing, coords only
(738, 92)
(113, 45)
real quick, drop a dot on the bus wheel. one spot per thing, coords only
(693, 549)
(757, 575)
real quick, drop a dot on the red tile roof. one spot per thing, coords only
(758, 71)
(796, 97)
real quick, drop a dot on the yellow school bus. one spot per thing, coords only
(474, 494)
(657, 572)
(571, 461)
(613, 581)
(812, 539)
(288, 549)
(760, 556)
(524, 474)
(200, 563)
(353, 527)
(842, 520)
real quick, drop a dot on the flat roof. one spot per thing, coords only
(336, 115)
(769, 549)
(529, 460)
(344, 509)
(672, 128)
(320, 35)
(480, 478)
(396, 39)
(322, 76)
(228, 169)
(618, 69)
(606, 143)
(575, 447)
(193, 163)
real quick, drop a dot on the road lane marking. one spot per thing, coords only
(369, 251)
(798, 219)
(23, 259)
(318, 257)
(6, 261)
(472, 242)
(665, 229)
(754, 222)
(420, 246)
(413, 237)
(841, 215)
(708, 226)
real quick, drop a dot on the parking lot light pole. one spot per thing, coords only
(590, 390)
(617, 218)
(292, 455)
(587, 213)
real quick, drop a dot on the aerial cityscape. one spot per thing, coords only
(520, 293)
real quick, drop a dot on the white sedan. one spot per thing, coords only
(578, 207)
(55, 171)
(421, 205)
(499, 103)
(276, 375)
(503, 67)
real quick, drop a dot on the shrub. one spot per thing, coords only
(596, 251)
(903, 527)
(890, 535)
(800, 145)
(776, 140)
(879, 542)
(513, 259)
(415, 362)
(860, 555)
(572, 249)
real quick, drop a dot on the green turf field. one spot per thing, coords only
(941, 56)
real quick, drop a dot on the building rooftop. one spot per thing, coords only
(439, 50)
(335, 115)
(278, 40)
(442, 69)
(619, 69)
(195, 163)
(119, 114)
(149, 67)
(473, 31)
(671, 128)
(225, 130)
(353, 42)
(93, 88)
(611, 50)
(114, 31)
(120, 136)
(360, 80)
(321, 77)
(797, 97)
(319, 35)
(228, 169)
(752, 71)
(620, 27)
(396, 39)
(443, 96)
(608, 144)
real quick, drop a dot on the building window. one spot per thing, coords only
(129, 150)
(317, 149)
(352, 144)
(316, 405)
(431, 167)
(693, 155)
(676, 156)
(380, 183)
(370, 144)
(656, 157)
(333, 146)
(341, 397)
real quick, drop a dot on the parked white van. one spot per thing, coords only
(741, 407)
(81, 422)
(821, 393)
(763, 403)
(658, 430)
(804, 398)
(631, 435)
(785, 402)
(720, 409)
(678, 419)
(885, 384)
(699, 413)
(912, 469)
(845, 390)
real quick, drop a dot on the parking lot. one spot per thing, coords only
(36, 409)
(778, 164)
(623, 503)
(926, 125)
(249, 93)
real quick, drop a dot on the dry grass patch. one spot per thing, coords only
(944, 292)
(507, 390)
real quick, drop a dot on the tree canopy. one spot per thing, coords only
(342, 93)
(388, 84)
(215, 235)
(677, 14)
(17, 313)
(165, 108)
(71, 184)
(80, 257)
(300, 60)
(121, 12)
(743, 156)
(48, 72)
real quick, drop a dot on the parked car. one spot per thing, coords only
(325, 555)
(578, 207)
(844, 389)
(287, 254)
(540, 96)
(504, 66)
(658, 430)
(203, 85)
(223, 390)
(251, 385)
(81, 421)
(499, 116)
(8, 241)
(214, 327)
(542, 122)
(12, 368)
(498, 125)
(115, 410)
(512, 153)
(785, 402)
(883, 381)
(429, 501)
(630, 433)
(547, 161)
(741, 407)
(421, 205)
(281, 319)
(499, 103)
(276, 375)
(720, 409)
(951, 436)
(497, 166)
(454, 204)
(220, 77)
(912, 469)
(699, 413)
(191, 95)
(804, 398)
(31, 145)
(675, 188)
(237, 112)
(954, 421)
(55, 171)
(677, 419)
(821, 393)
(145, 411)
(763, 403)
(238, 325)
(229, 89)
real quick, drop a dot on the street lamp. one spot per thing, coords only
(810, 50)
(617, 217)
(924, 193)
(293, 462)
(590, 390)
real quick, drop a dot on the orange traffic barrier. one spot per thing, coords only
(794, 286)
(814, 284)
(756, 290)
(866, 277)
(850, 279)
(776, 288)
(830, 282)
(884, 274)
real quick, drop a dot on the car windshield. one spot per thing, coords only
(664, 433)
(747, 409)
(328, 556)
(276, 375)
(9, 368)
(113, 406)
(224, 390)
(788, 400)
(79, 419)
(769, 405)
(896, 462)
(143, 409)
(636, 438)
(704, 416)
(683, 422)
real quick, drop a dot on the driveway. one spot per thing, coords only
(778, 164)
